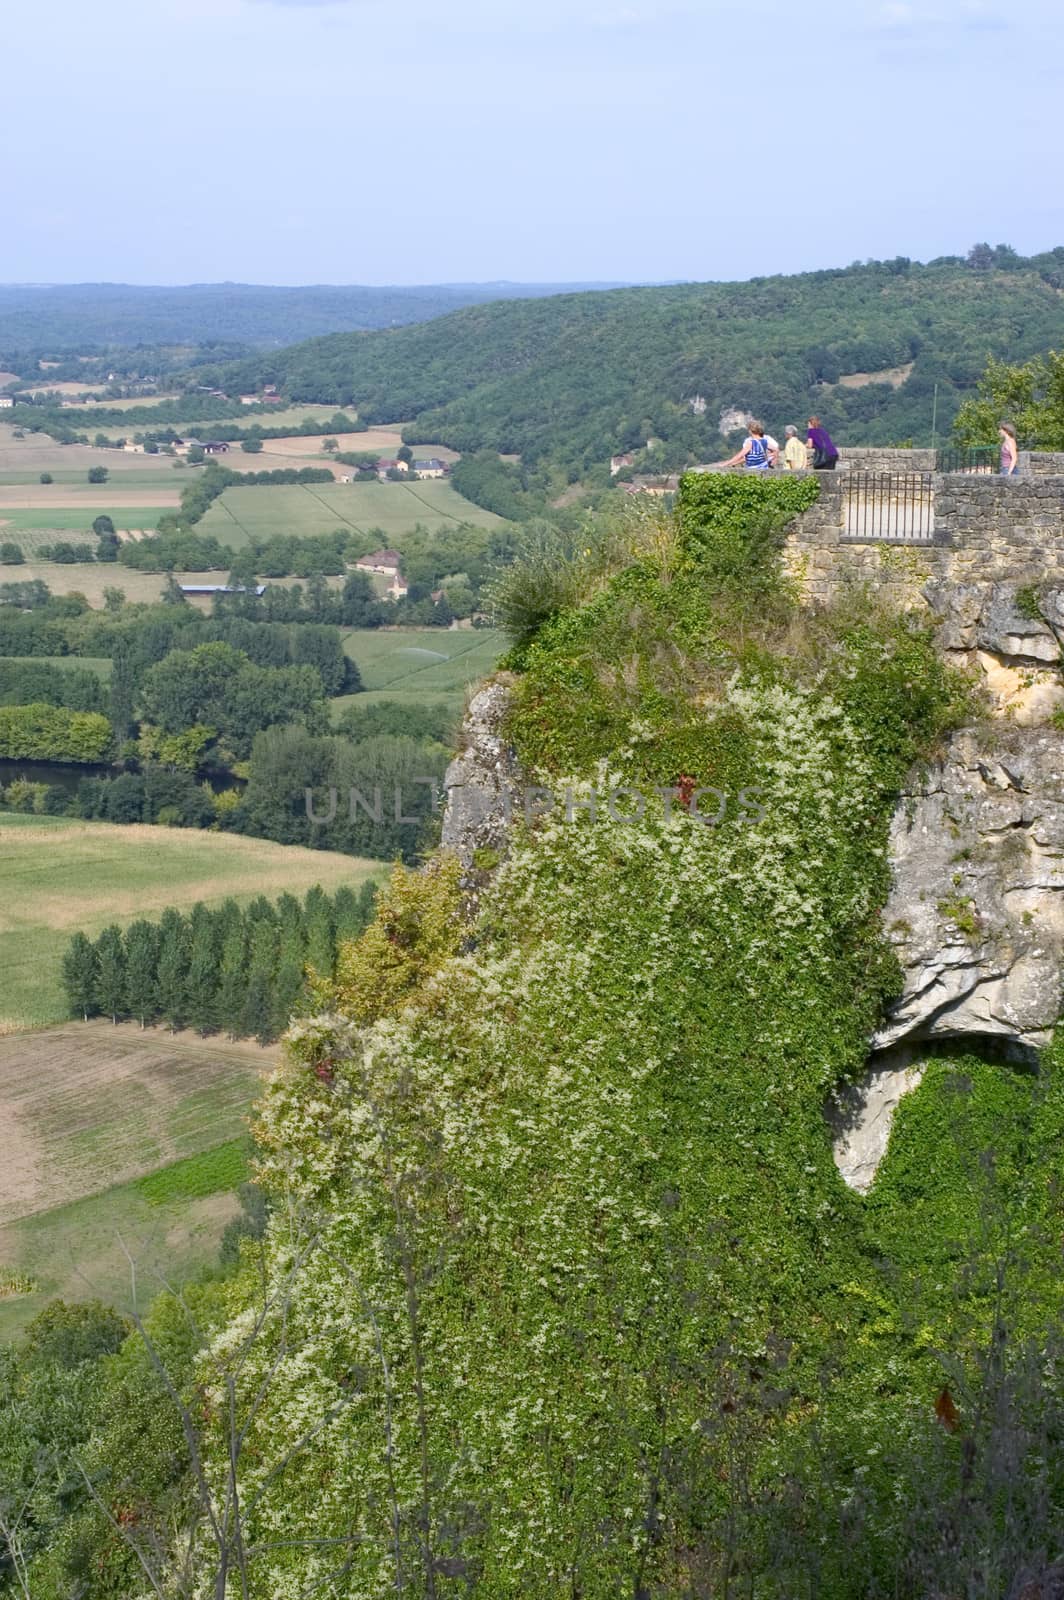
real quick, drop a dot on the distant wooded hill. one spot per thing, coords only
(571, 380)
(81, 315)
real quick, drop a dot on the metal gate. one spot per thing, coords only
(894, 507)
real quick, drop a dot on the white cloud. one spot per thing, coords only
(900, 17)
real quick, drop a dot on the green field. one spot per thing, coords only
(117, 1139)
(135, 475)
(48, 521)
(420, 663)
(60, 876)
(307, 509)
(78, 1251)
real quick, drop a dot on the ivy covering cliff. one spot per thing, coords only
(562, 1292)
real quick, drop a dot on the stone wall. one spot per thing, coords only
(876, 458)
(999, 530)
(986, 530)
(821, 560)
(1042, 463)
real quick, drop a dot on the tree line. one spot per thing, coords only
(26, 683)
(212, 683)
(239, 972)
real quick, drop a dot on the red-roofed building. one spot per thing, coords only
(385, 561)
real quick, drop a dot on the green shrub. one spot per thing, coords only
(732, 525)
(53, 733)
(22, 795)
(543, 580)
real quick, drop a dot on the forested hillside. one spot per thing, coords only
(571, 380)
(85, 314)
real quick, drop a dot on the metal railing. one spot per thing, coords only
(894, 507)
(982, 460)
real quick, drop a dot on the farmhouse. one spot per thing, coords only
(397, 588)
(6, 401)
(210, 447)
(431, 468)
(386, 561)
(388, 464)
(618, 463)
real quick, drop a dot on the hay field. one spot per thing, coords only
(419, 664)
(59, 876)
(88, 1105)
(305, 450)
(141, 400)
(307, 509)
(69, 388)
(94, 498)
(91, 578)
(116, 1140)
(21, 460)
(271, 459)
(302, 444)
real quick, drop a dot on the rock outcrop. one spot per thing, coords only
(976, 918)
(976, 911)
(861, 1116)
(1018, 655)
(481, 781)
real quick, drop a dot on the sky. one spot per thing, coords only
(364, 141)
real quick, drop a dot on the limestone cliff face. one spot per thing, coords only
(1017, 656)
(976, 910)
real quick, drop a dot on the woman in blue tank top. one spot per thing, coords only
(755, 455)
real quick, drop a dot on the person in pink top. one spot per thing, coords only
(1010, 450)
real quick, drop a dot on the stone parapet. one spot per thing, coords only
(986, 529)
(1042, 463)
(886, 458)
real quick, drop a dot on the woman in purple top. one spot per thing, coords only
(818, 439)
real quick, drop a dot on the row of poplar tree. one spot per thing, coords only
(228, 970)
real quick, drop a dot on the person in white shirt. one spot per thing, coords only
(757, 454)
